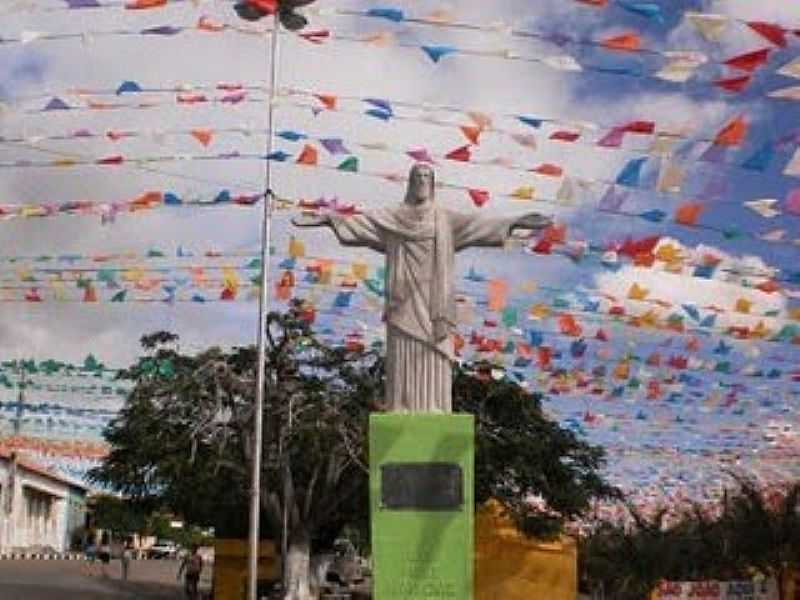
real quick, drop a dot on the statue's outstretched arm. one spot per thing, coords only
(312, 221)
(531, 222)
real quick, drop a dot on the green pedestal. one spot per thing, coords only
(421, 505)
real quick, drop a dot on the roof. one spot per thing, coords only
(29, 465)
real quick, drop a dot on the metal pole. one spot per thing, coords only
(263, 311)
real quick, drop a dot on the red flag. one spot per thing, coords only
(479, 197)
(774, 33)
(645, 127)
(548, 169)
(733, 84)
(308, 156)
(565, 136)
(266, 6)
(461, 154)
(749, 62)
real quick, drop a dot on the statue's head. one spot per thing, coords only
(420, 185)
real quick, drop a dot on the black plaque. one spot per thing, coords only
(422, 486)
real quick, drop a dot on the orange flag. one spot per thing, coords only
(308, 156)
(497, 290)
(733, 133)
(203, 136)
(568, 325)
(328, 100)
(627, 42)
(471, 133)
(142, 4)
(687, 214)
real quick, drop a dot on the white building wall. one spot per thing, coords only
(33, 510)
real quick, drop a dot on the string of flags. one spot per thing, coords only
(678, 67)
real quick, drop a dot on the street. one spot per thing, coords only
(78, 580)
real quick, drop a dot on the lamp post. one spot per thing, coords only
(283, 13)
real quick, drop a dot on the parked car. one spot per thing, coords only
(163, 549)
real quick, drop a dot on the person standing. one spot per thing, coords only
(192, 566)
(125, 559)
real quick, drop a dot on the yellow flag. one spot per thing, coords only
(637, 292)
(539, 311)
(297, 248)
(711, 26)
(360, 270)
(743, 306)
(525, 192)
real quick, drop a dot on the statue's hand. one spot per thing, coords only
(311, 221)
(532, 222)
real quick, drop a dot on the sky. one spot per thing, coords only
(661, 380)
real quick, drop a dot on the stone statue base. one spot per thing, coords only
(422, 505)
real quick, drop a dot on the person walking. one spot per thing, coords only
(192, 565)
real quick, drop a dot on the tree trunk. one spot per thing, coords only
(298, 560)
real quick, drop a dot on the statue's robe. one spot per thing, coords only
(420, 246)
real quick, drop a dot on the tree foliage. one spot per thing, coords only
(184, 436)
(750, 531)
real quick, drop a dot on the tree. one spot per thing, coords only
(750, 529)
(187, 424)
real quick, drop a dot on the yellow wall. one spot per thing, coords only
(509, 566)
(230, 567)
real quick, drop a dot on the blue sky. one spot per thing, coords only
(694, 407)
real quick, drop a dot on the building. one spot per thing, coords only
(39, 510)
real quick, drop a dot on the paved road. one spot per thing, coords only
(72, 580)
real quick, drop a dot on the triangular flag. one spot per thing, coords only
(566, 193)
(792, 204)
(308, 156)
(334, 146)
(471, 133)
(750, 61)
(774, 33)
(349, 164)
(420, 155)
(612, 139)
(764, 207)
(461, 154)
(435, 53)
(787, 93)
(710, 26)
(478, 197)
(687, 214)
(761, 159)
(128, 87)
(525, 192)
(792, 169)
(790, 69)
(328, 100)
(671, 178)
(681, 65)
(145, 4)
(626, 42)
(733, 133)
(204, 136)
(733, 84)
(528, 140)
(637, 292)
(392, 14)
(56, 104)
(649, 10)
(631, 173)
(549, 170)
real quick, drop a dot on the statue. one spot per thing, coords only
(420, 240)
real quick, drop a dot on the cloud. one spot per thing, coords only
(723, 290)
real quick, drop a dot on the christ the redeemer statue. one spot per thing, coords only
(420, 240)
